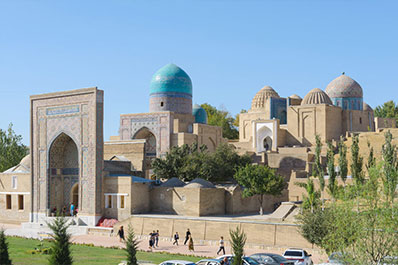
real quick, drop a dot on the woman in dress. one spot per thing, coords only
(190, 244)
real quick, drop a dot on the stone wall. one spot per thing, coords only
(187, 201)
(23, 189)
(381, 123)
(133, 150)
(206, 230)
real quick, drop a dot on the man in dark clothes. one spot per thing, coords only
(187, 235)
(120, 233)
(176, 237)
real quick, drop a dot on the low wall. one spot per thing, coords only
(208, 230)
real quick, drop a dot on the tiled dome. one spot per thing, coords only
(344, 87)
(200, 114)
(171, 78)
(316, 96)
(259, 99)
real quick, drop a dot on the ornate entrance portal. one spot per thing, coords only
(64, 173)
(67, 154)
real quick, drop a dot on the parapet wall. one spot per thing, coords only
(208, 230)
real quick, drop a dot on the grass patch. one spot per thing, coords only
(87, 255)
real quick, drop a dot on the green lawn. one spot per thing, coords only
(86, 255)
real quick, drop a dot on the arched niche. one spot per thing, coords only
(63, 172)
(150, 144)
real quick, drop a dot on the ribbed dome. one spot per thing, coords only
(171, 78)
(366, 107)
(315, 97)
(295, 96)
(200, 114)
(259, 99)
(344, 87)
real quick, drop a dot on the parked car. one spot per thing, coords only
(299, 256)
(388, 260)
(334, 259)
(209, 262)
(246, 260)
(271, 259)
(177, 262)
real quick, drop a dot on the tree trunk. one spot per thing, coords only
(261, 204)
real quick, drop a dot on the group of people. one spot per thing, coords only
(188, 239)
(154, 240)
(72, 211)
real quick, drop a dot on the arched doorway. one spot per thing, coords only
(74, 194)
(267, 142)
(150, 144)
(63, 173)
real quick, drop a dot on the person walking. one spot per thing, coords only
(190, 244)
(72, 210)
(151, 240)
(187, 236)
(222, 248)
(120, 233)
(176, 237)
(156, 238)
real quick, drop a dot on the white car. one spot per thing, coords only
(299, 256)
(334, 259)
(177, 262)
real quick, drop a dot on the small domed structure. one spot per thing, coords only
(346, 93)
(200, 114)
(171, 90)
(25, 162)
(259, 100)
(315, 97)
(295, 96)
(199, 183)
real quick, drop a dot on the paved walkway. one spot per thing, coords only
(165, 244)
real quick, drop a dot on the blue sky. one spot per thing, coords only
(230, 49)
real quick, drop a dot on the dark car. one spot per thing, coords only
(271, 259)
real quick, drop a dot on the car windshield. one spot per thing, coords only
(292, 253)
(278, 258)
(251, 261)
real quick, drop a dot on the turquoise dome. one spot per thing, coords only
(200, 114)
(171, 78)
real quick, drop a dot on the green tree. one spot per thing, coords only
(11, 149)
(390, 166)
(332, 185)
(387, 110)
(131, 246)
(343, 168)
(311, 200)
(356, 161)
(317, 171)
(314, 225)
(259, 180)
(238, 241)
(60, 248)
(4, 257)
(190, 162)
(371, 158)
(223, 119)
